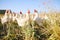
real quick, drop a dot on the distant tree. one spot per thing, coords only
(2, 11)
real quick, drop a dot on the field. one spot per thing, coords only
(49, 30)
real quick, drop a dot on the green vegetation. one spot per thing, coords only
(2, 11)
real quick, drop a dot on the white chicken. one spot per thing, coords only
(14, 16)
(4, 19)
(21, 15)
(36, 18)
(10, 15)
(28, 15)
(22, 20)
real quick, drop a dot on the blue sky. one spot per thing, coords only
(24, 5)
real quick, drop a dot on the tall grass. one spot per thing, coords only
(50, 30)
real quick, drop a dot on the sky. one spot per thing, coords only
(24, 5)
